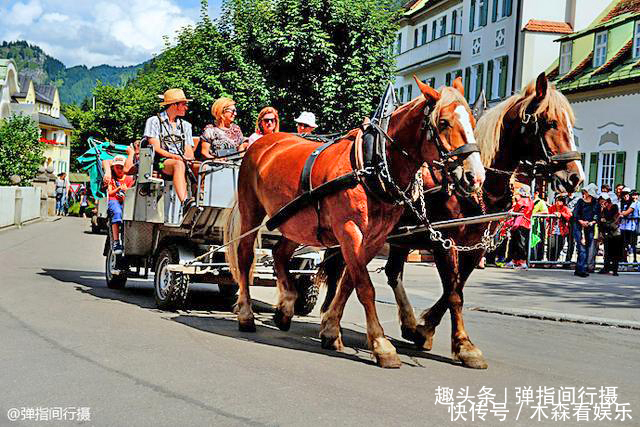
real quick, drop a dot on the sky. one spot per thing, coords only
(95, 32)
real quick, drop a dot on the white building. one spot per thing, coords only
(495, 45)
(8, 86)
(598, 70)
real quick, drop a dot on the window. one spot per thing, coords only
(399, 44)
(500, 38)
(434, 29)
(431, 81)
(425, 32)
(600, 50)
(636, 41)
(476, 82)
(443, 26)
(496, 87)
(565, 56)
(607, 172)
(501, 9)
(454, 18)
(478, 16)
(409, 90)
(475, 47)
(401, 97)
(415, 38)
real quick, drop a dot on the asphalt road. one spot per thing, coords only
(68, 341)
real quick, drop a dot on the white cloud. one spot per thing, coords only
(23, 13)
(115, 32)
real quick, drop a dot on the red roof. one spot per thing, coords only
(548, 27)
(623, 6)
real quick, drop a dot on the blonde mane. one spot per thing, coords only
(489, 127)
(448, 95)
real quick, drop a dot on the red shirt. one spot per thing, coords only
(123, 183)
(563, 222)
(524, 205)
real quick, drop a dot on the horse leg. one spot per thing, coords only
(461, 346)
(394, 269)
(333, 267)
(446, 262)
(357, 256)
(243, 217)
(287, 293)
(330, 335)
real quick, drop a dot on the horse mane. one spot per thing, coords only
(448, 95)
(489, 127)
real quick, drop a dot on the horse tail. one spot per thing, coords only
(232, 229)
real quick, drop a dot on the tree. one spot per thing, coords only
(330, 57)
(21, 152)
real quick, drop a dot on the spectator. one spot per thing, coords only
(586, 213)
(558, 227)
(572, 199)
(61, 190)
(630, 211)
(306, 122)
(617, 197)
(520, 229)
(613, 244)
(267, 122)
(537, 226)
(118, 185)
(223, 137)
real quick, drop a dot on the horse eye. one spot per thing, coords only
(443, 124)
(553, 124)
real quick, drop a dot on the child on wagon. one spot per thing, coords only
(118, 184)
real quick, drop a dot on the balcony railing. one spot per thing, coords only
(439, 49)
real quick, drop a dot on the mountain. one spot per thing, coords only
(76, 83)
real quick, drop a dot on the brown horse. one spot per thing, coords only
(269, 178)
(534, 126)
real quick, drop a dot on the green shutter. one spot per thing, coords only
(432, 82)
(454, 18)
(424, 34)
(593, 168)
(480, 82)
(447, 79)
(494, 15)
(484, 11)
(459, 73)
(638, 172)
(583, 157)
(489, 79)
(467, 82)
(504, 64)
(506, 8)
(620, 161)
(472, 15)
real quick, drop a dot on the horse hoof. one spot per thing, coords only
(246, 325)
(331, 343)
(424, 337)
(388, 360)
(472, 359)
(282, 322)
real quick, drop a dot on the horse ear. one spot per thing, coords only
(457, 84)
(541, 86)
(428, 92)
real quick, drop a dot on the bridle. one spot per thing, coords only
(451, 162)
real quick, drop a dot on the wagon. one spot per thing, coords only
(181, 248)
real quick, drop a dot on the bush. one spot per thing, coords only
(21, 152)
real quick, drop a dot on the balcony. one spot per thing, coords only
(438, 50)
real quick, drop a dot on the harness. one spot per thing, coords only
(373, 171)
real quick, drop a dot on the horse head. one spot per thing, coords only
(442, 123)
(546, 129)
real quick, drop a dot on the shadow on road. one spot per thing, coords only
(303, 336)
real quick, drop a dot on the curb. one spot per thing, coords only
(559, 317)
(29, 222)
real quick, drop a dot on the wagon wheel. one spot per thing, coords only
(308, 288)
(170, 288)
(115, 270)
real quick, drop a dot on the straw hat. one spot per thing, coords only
(172, 96)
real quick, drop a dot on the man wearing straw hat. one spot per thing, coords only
(172, 140)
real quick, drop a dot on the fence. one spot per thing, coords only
(551, 242)
(18, 205)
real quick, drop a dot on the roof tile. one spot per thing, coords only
(623, 6)
(615, 60)
(549, 26)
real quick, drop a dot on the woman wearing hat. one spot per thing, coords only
(306, 122)
(613, 243)
(586, 214)
(268, 122)
(172, 140)
(520, 230)
(223, 134)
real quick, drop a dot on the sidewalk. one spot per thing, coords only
(546, 294)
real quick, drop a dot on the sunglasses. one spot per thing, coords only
(230, 110)
(269, 120)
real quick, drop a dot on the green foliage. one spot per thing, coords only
(21, 152)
